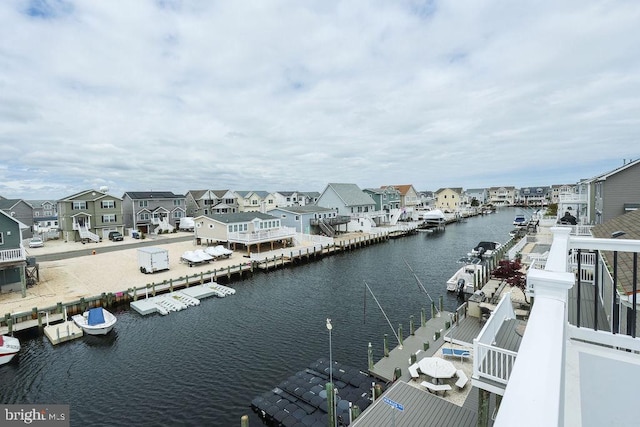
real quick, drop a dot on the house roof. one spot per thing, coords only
(237, 217)
(628, 223)
(606, 175)
(39, 203)
(303, 209)
(95, 195)
(153, 195)
(454, 189)
(403, 188)
(9, 203)
(20, 224)
(351, 194)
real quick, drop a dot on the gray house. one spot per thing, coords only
(20, 210)
(305, 219)
(207, 202)
(12, 255)
(151, 211)
(617, 192)
(45, 214)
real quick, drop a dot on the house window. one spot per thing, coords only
(1, 238)
(77, 206)
(109, 218)
(297, 217)
(108, 204)
(177, 214)
(254, 202)
(284, 216)
(143, 203)
(37, 213)
(143, 216)
(230, 228)
(177, 202)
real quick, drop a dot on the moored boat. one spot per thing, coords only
(96, 321)
(462, 280)
(9, 347)
(485, 249)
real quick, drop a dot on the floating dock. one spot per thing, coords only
(179, 300)
(62, 332)
(302, 398)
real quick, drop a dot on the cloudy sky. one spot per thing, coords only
(291, 95)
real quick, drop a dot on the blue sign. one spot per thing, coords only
(390, 402)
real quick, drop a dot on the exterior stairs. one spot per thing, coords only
(164, 226)
(329, 230)
(85, 234)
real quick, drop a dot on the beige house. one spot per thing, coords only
(502, 196)
(255, 201)
(252, 230)
(448, 199)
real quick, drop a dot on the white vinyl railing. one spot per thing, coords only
(493, 363)
(262, 235)
(9, 255)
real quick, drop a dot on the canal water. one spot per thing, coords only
(204, 365)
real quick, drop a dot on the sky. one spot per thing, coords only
(289, 95)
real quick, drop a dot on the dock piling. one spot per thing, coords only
(386, 346)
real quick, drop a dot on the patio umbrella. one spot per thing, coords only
(436, 367)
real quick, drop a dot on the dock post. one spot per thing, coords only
(244, 421)
(423, 317)
(433, 309)
(330, 404)
(400, 333)
(425, 346)
(9, 324)
(34, 313)
(413, 358)
(411, 326)
(355, 412)
(370, 357)
(164, 283)
(440, 303)
(397, 373)
(386, 346)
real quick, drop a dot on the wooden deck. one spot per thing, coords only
(400, 357)
(587, 317)
(510, 334)
(464, 332)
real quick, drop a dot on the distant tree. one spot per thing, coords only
(475, 202)
(552, 209)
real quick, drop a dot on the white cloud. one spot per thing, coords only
(275, 95)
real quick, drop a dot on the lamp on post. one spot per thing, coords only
(331, 397)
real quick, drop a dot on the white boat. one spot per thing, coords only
(218, 251)
(462, 280)
(96, 321)
(519, 220)
(485, 249)
(9, 347)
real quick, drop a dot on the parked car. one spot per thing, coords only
(36, 242)
(115, 236)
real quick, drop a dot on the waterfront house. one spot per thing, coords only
(255, 201)
(205, 202)
(448, 199)
(247, 229)
(558, 189)
(45, 215)
(481, 195)
(304, 219)
(12, 254)
(409, 197)
(308, 197)
(20, 210)
(388, 200)
(534, 196)
(617, 192)
(152, 211)
(287, 198)
(502, 196)
(89, 215)
(349, 201)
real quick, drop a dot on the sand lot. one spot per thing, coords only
(70, 279)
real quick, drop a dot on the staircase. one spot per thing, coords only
(329, 231)
(395, 216)
(85, 234)
(164, 226)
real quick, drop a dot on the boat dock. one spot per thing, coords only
(179, 300)
(63, 332)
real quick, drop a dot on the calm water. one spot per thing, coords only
(203, 365)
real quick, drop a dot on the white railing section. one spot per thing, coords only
(495, 363)
(489, 361)
(572, 198)
(517, 248)
(262, 235)
(10, 255)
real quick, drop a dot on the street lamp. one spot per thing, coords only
(333, 397)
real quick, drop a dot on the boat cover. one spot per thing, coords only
(1, 341)
(96, 317)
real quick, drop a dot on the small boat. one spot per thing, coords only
(9, 347)
(462, 280)
(96, 321)
(485, 249)
(520, 220)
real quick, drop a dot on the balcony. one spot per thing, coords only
(572, 198)
(12, 255)
(261, 236)
(578, 361)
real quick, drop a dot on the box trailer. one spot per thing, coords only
(152, 259)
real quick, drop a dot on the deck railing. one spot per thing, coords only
(262, 235)
(489, 361)
(11, 255)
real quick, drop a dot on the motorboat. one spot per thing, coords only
(9, 347)
(218, 251)
(485, 249)
(196, 257)
(96, 321)
(519, 220)
(463, 279)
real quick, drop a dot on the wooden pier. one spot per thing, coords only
(62, 332)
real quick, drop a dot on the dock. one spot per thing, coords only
(62, 332)
(180, 300)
